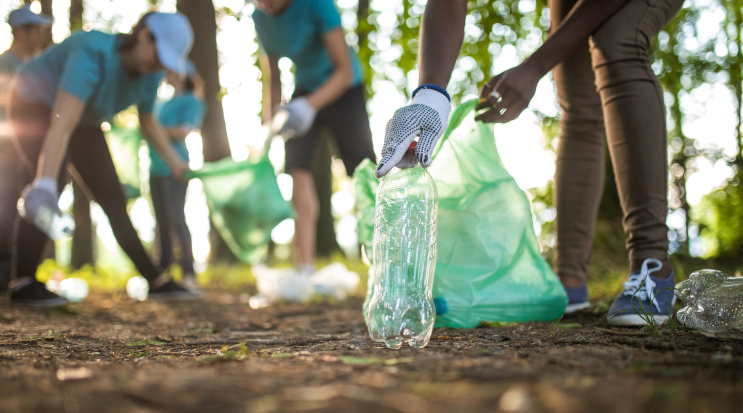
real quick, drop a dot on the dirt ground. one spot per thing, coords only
(317, 357)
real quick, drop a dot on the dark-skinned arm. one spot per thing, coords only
(516, 86)
(441, 37)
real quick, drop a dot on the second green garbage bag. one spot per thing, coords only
(488, 265)
(245, 204)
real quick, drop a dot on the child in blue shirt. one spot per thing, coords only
(329, 95)
(179, 116)
(57, 106)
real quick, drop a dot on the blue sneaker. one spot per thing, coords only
(642, 290)
(577, 298)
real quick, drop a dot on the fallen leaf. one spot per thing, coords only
(136, 344)
(79, 373)
(282, 355)
(569, 325)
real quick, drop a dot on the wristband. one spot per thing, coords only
(433, 87)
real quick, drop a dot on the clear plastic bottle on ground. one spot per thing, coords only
(402, 308)
(713, 303)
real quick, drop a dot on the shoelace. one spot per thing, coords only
(635, 286)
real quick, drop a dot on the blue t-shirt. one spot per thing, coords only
(297, 33)
(88, 66)
(184, 110)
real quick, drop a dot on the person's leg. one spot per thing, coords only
(349, 122)
(178, 201)
(160, 193)
(633, 107)
(30, 123)
(9, 194)
(307, 208)
(579, 174)
(90, 155)
(92, 159)
(635, 123)
(299, 152)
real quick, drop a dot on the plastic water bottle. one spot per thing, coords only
(713, 303)
(55, 224)
(401, 308)
(74, 289)
(137, 288)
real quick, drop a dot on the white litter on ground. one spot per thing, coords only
(275, 284)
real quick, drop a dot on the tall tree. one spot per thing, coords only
(83, 243)
(205, 56)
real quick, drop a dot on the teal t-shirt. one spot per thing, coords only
(184, 110)
(88, 66)
(297, 33)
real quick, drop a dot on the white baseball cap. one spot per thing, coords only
(24, 16)
(173, 37)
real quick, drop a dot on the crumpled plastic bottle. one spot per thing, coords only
(713, 303)
(74, 289)
(401, 308)
(56, 224)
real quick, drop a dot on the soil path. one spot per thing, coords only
(318, 358)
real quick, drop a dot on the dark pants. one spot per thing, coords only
(169, 199)
(348, 122)
(89, 154)
(607, 91)
(9, 194)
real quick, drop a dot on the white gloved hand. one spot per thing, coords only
(301, 117)
(41, 192)
(426, 116)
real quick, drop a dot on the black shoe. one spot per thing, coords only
(34, 293)
(171, 291)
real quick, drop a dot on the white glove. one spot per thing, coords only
(426, 116)
(301, 117)
(41, 192)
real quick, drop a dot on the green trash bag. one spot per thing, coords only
(488, 265)
(245, 204)
(124, 145)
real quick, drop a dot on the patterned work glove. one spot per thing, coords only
(41, 192)
(426, 116)
(300, 120)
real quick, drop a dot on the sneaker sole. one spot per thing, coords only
(571, 308)
(174, 296)
(54, 302)
(635, 319)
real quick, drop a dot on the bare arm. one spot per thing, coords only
(271, 86)
(441, 37)
(337, 84)
(517, 86)
(585, 18)
(65, 116)
(159, 139)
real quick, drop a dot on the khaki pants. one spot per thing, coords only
(608, 89)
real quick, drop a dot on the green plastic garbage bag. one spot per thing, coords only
(488, 265)
(124, 145)
(245, 204)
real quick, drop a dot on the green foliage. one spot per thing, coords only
(720, 217)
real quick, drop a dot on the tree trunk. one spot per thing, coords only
(326, 242)
(76, 15)
(83, 242)
(204, 54)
